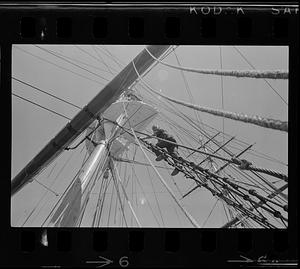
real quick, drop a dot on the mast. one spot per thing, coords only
(109, 94)
(70, 209)
(107, 143)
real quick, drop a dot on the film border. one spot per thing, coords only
(190, 24)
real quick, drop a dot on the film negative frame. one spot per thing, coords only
(181, 24)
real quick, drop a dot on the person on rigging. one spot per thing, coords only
(131, 95)
(171, 148)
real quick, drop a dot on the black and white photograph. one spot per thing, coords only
(149, 136)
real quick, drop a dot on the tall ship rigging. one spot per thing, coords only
(101, 169)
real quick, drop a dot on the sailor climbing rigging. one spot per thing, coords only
(131, 95)
(171, 148)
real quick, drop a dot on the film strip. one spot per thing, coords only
(156, 25)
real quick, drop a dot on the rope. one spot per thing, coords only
(191, 219)
(96, 174)
(269, 172)
(111, 199)
(237, 141)
(234, 187)
(125, 194)
(118, 193)
(245, 165)
(141, 187)
(102, 61)
(257, 120)
(87, 137)
(98, 202)
(156, 199)
(55, 193)
(66, 69)
(103, 200)
(244, 196)
(54, 96)
(210, 213)
(137, 162)
(185, 163)
(267, 82)
(179, 145)
(222, 94)
(93, 73)
(114, 58)
(94, 58)
(187, 87)
(274, 74)
(272, 195)
(50, 110)
(147, 167)
(51, 214)
(76, 60)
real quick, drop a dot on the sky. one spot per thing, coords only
(33, 127)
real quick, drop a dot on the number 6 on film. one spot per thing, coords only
(124, 261)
